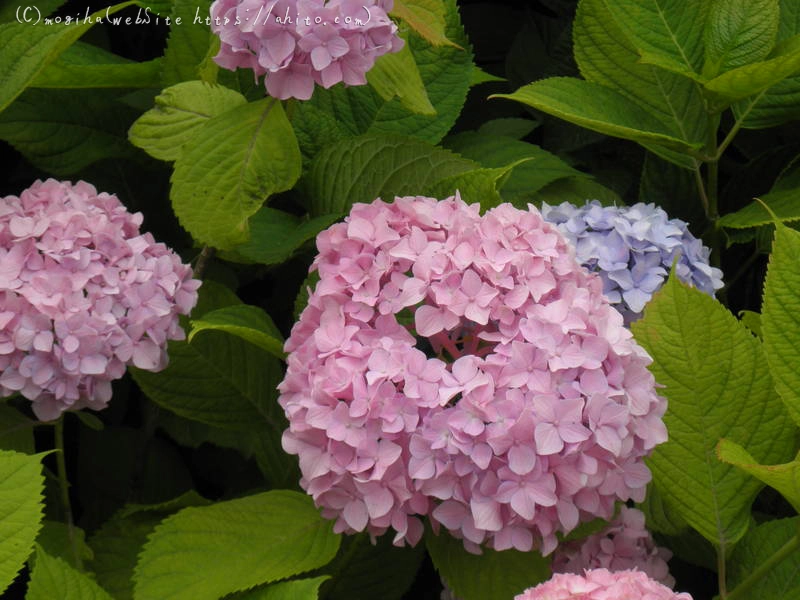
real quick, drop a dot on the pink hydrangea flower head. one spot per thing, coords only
(601, 584)
(464, 367)
(82, 294)
(300, 43)
(624, 545)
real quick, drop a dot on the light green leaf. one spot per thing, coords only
(54, 538)
(396, 74)
(54, 578)
(598, 108)
(490, 576)
(667, 33)
(784, 478)
(298, 589)
(179, 112)
(707, 362)
(739, 32)
(754, 78)
(528, 176)
(21, 510)
(188, 42)
(229, 168)
(426, 17)
(780, 316)
(63, 131)
(605, 56)
(784, 203)
(28, 49)
(275, 235)
(86, 66)
(245, 321)
(204, 553)
(371, 166)
(477, 186)
(16, 430)
(751, 320)
(782, 581)
(480, 76)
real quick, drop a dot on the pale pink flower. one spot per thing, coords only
(515, 402)
(83, 294)
(601, 584)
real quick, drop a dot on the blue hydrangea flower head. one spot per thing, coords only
(632, 248)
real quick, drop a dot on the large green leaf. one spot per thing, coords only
(15, 13)
(490, 576)
(21, 510)
(297, 589)
(229, 168)
(341, 112)
(782, 581)
(605, 56)
(667, 33)
(397, 74)
(54, 578)
(179, 112)
(479, 186)
(781, 102)
(708, 362)
(188, 42)
(600, 109)
(535, 168)
(780, 317)
(371, 166)
(739, 32)
(204, 553)
(63, 131)
(426, 17)
(28, 49)
(245, 321)
(784, 204)
(86, 66)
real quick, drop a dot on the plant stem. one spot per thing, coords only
(202, 261)
(61, 464)
(721, 573)
(742, 590)
(712, 191)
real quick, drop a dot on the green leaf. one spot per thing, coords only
(785, 204)
(366, 570)
(204, 553)
(512, 127)
(54, 538)
(298, 589)
(490, 576)
(21, 510)
(54, 578)
(28, 49)
(63, 131)
(672, 188)
(577, 190)
(739, 32)
(667, 33)
(708, 362)
(480, 76)
(188, 41)
(779, 316)
(751, 320)
(784, 478)
(782, 581)
(371, 166)
(179, 112)
(86, 66)
(16, 430)
(754, 78)
(605, 56)
(16, 13)
(477, 186)
(341, 112)
(528, 176)
(247, 322)
(426, 17)
(598, 108)
(275, 235)
(396, 74)
(229, 167)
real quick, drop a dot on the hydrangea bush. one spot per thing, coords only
(447, 340)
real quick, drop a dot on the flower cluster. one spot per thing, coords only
(633, 248)
(464, 367)
(601, 584)
(82, 295)
(297, 43)
(624, 545)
